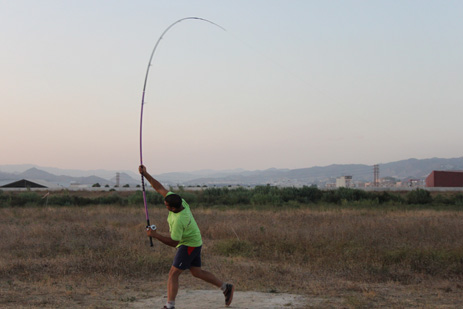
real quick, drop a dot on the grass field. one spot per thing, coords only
(99, 257)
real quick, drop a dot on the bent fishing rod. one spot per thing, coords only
(143, 103)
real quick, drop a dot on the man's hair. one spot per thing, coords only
(174, 200)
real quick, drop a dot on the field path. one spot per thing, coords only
(212, 299)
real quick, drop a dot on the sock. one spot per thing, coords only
(170, 304)
(223, 287)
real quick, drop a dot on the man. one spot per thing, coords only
(186, 236)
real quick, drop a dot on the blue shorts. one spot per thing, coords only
(187, 257)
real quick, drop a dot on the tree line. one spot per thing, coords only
(257, 196)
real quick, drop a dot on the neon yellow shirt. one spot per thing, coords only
(183, 227)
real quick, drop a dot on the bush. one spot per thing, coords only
(443, 200)
(344, 195)
(25, 198)
(385, 197)
(310, 195)
(4, 199)
(266, 199)
(458, 199)
(239, 196)
(69, 200)
(213, 196)
(189, 197)
(419, 196)
(112, 199)
(136, 198)
(151, 198)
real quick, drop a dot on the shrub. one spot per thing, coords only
(309, 195)
(385, 197)
(419, 196)
(112, 199)
(189, 197)
(213, 196)
(266, 199)
(458, 199)
(442, 200)
(136, 198)
(68, 200)
(4, 199)
(25, 198)
(239, 196)
(151, 198)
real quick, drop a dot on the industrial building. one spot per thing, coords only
(23, 183)
(448, 179)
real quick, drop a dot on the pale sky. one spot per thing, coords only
(290, 84)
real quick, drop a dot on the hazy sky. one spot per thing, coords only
(290, 84)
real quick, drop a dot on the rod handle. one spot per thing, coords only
(151, 238)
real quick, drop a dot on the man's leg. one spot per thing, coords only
(198, 272)
(172, 283)
(226, 288)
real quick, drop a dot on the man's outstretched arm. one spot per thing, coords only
(154, 183)
(164, 239)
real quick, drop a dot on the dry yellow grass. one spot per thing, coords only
(98, 257)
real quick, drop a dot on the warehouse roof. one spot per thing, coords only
(24, 183)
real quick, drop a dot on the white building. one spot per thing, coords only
(344, 181)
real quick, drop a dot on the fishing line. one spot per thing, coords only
(143, 103)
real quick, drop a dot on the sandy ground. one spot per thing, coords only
(439, 294)
(212, 299)
(150, 294)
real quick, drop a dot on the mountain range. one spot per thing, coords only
(317, 175)
(64, 180)
(320, 175)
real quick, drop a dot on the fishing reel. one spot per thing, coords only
(152, 227)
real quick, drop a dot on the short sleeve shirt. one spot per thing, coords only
(183, 227)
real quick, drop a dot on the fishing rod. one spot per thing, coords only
(143, 103)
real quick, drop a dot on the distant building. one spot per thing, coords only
(448, 179)
(330, 185)
(388, 182)
(78, 186)
(23, 183)
(344, 181)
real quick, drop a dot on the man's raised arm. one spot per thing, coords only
(154, 183)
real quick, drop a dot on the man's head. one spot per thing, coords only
(173, 202)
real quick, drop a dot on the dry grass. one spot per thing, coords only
(98, 256)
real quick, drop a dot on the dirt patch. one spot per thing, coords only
(441, 294)
(214, 299)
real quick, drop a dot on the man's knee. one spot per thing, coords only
(175, 272)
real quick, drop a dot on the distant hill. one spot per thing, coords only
(416, 168)
(318, 175)
(20, 168)
(37, 174)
